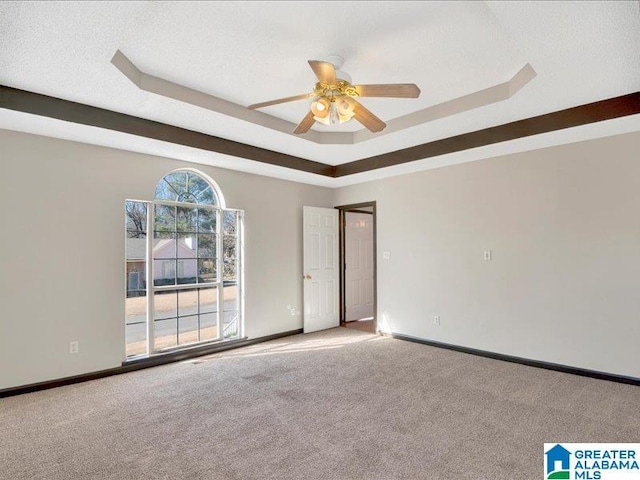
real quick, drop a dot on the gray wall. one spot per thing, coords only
(563, 224)
(62, 251)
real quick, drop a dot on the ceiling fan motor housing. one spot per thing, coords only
(337, 61)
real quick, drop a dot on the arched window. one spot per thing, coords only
(193, 253)
(188, 186)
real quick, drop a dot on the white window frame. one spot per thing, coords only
(152, 289)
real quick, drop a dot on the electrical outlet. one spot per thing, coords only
(436, 320)
(487, 255)
(386, 255)
(293, 312)
(74, 347)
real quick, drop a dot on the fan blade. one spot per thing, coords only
(305, 124)
(397, 90)
(325, 71)
(365, 117)
(280, 100)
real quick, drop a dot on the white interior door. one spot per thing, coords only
(358, 266)
(320, 264)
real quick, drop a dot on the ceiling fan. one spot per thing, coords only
(333, 99)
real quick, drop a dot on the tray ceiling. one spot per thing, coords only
(247, 52)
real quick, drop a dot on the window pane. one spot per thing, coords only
(136, 339)
(166, 333)
(206, 220)
(187, 271)
(136, 248)
(207, 197)
(165, 218)
(208, 326)
(165, 305)
(165, 192)
(136, 281)
(164, 272)
(136, 253)
(188, 330)
(230, 325)
(230, 320)
(164, 245)
(206, 270)
(230, 257)
(208, 300)
(135, 218)
(206, 246)
(136, 306)
(230, 298)
(186, 247)
(230, 221)
(187, 303)
(186, 219)
(197, 186)
(177, 182)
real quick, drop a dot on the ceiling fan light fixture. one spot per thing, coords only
(324, 121)
(332, 111)
(346, 109)
(320, 107)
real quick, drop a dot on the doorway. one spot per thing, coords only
(358, 292)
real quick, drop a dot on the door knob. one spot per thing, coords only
(306, 277)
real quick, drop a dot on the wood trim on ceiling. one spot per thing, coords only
(37, 104)
(571, 117)
(43, 105)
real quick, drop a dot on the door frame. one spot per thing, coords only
(357, 208)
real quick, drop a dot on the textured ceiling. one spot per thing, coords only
(247, 52)
(256, 51)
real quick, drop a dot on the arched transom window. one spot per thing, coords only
(187, 186)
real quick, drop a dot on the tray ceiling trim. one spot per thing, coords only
(168, 89)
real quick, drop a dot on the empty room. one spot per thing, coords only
(320, 240)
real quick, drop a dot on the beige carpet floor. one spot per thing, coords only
(339, 404)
